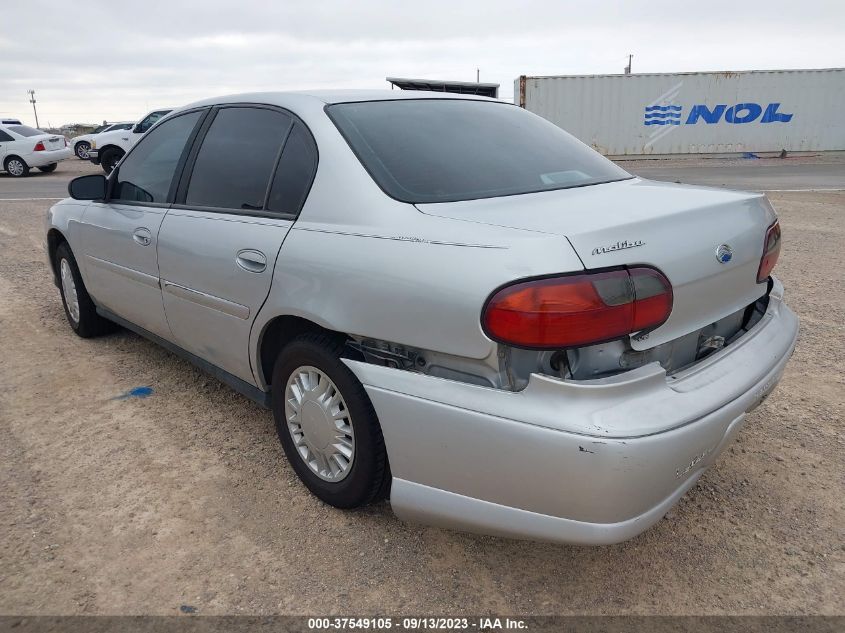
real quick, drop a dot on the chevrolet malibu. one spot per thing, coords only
(446, 301)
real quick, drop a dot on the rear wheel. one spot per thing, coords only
(327, 424)
(48, 168)
(110, 158)
(79, 309)
(16, 167)
(81, 149)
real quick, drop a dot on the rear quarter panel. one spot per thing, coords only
(420, 283)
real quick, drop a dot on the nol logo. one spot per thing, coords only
(739, 113)
(665, 114)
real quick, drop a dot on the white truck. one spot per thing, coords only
(82, 143)
(109, 147)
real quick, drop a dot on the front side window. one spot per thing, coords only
(150, 120)
(147, 172)
(237, 158)
(25, 130)
(444, 150)
(294, 174)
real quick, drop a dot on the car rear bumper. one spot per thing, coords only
(589, 462)
(39, 159)
(94, 155)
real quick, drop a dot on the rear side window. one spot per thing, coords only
(25, 130)
(443, 150)
(146, 174)
(237, 157)
(5, 137)
(295, 173)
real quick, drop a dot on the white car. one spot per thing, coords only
(109, 147)
(23, 147)
(82, 143)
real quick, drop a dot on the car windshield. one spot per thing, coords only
(25, 130)
(444, 150)
(100, 128)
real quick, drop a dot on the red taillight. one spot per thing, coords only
(578, 310)
(771, 251)
(39, 147)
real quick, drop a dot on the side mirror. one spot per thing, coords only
(91, 187)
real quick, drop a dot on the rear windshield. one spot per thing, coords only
(24, 130)
(432, 150)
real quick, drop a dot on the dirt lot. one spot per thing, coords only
(112, 505)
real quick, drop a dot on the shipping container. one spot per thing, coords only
(694, 113)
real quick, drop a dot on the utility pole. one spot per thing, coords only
(477, 75)
(31, 94)
(628, 67)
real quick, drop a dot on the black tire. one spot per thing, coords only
(109, 158)
(369, 477)
(16, 166)
(48, 168)
(81, 150)
(89, 324)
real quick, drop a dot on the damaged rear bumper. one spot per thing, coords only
(588, 462)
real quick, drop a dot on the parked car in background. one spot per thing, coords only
(109, 147)
(444, 299)
(82, 143)
(23, 147)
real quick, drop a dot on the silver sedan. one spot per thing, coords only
(446, 301)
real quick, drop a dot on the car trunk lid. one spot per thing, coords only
(54, 142)
(708, 242)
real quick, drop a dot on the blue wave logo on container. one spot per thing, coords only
(663, 115)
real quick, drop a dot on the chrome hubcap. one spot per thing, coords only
(82, 150)
(69, 291)
(15, 167)
(319, 423)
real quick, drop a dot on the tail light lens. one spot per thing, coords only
(39, 147)
(771, 251)
(578, 310)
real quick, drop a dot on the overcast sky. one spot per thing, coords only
(90, 60)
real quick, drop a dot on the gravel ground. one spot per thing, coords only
(140, 506)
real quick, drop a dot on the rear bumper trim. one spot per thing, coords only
(417, 503)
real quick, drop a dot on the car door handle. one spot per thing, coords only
(142, 236)
(251, 260)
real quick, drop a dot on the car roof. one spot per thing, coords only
(324, 97)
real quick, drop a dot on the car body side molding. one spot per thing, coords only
(252, 392)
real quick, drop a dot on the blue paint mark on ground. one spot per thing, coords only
(137, 392)
(749, 155)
